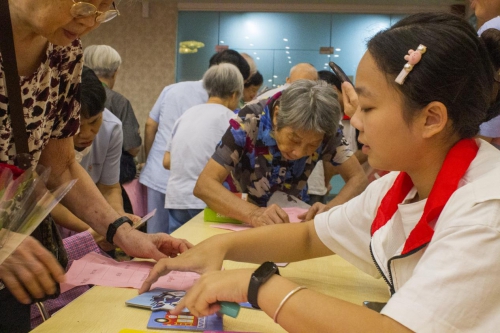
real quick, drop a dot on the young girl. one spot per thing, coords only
(430, 229)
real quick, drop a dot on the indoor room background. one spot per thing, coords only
(278, 35)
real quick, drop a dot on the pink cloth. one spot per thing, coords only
(137, 194)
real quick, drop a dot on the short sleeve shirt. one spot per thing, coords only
(50, 98)
(249, 151)
(103, 161)
(121, 107)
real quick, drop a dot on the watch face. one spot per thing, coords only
(267, 269)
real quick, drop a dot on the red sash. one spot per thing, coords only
(455, 165)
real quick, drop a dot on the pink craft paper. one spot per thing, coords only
(96, 269)
(293, 213)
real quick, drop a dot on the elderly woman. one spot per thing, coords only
(49, 61)
(272, 145)
(106, 61)
(195, 136)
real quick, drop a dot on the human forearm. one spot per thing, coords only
(113, 195)
(218, 198)
(327, 315)
(149, 135)
(271, 243)
(67, 219)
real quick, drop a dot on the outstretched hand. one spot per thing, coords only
(273, 214)
(202, 299)
(315, 209)
(202, 258)
(150, 246)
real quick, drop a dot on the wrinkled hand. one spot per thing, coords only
(315, 209)
(212, 287)
(202, 258)
(31, 271)
(151, 246)
(351, 103)
(268, 215)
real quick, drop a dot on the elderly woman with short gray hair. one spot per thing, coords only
(273, 146)
(194, 138)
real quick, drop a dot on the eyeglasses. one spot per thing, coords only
(84, 9)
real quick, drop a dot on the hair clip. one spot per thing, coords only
(413, 58)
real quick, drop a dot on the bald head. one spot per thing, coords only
(302, 71)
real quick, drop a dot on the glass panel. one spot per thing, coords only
(202, 27)
(271, 31)
(350, 32)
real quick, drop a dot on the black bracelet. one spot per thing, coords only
(113, 227)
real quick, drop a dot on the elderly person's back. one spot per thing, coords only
(194, 138)
(272, 145)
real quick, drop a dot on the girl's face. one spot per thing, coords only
(53, 20)
(389, 142)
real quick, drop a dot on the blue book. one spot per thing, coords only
(163, 320)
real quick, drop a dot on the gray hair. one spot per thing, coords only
(103, 59)
(310, 106)
(223, 81)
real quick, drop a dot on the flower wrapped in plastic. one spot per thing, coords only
(25, 201)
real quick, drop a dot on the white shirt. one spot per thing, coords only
(195, 136)
(173, 101)
(451, 284)
(103, 161)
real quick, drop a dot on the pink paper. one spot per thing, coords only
(103, 271)
(293, 213)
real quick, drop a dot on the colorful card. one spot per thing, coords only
(163, 320)
(157, 299)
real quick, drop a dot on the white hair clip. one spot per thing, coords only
(413, 58)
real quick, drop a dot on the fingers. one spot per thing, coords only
(31, 272)
(269, 215)
(309, 215)
(160, 269)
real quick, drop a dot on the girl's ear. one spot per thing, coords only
(435, 119)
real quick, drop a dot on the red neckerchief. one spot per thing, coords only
(455, 165)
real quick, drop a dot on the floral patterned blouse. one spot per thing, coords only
(50, 98)
(249, 151)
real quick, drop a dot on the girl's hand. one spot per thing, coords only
(202, 299)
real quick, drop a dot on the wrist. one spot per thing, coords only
(117, 228)
(258, 278)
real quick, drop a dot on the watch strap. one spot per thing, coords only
(113, 227)
(256, 282)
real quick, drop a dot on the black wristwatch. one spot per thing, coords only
(259, 277)
(113, 227)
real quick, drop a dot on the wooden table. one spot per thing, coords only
(103, 309)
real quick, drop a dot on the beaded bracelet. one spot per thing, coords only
(290, 294)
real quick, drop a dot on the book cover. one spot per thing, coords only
(163, 320)
(157, 299)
